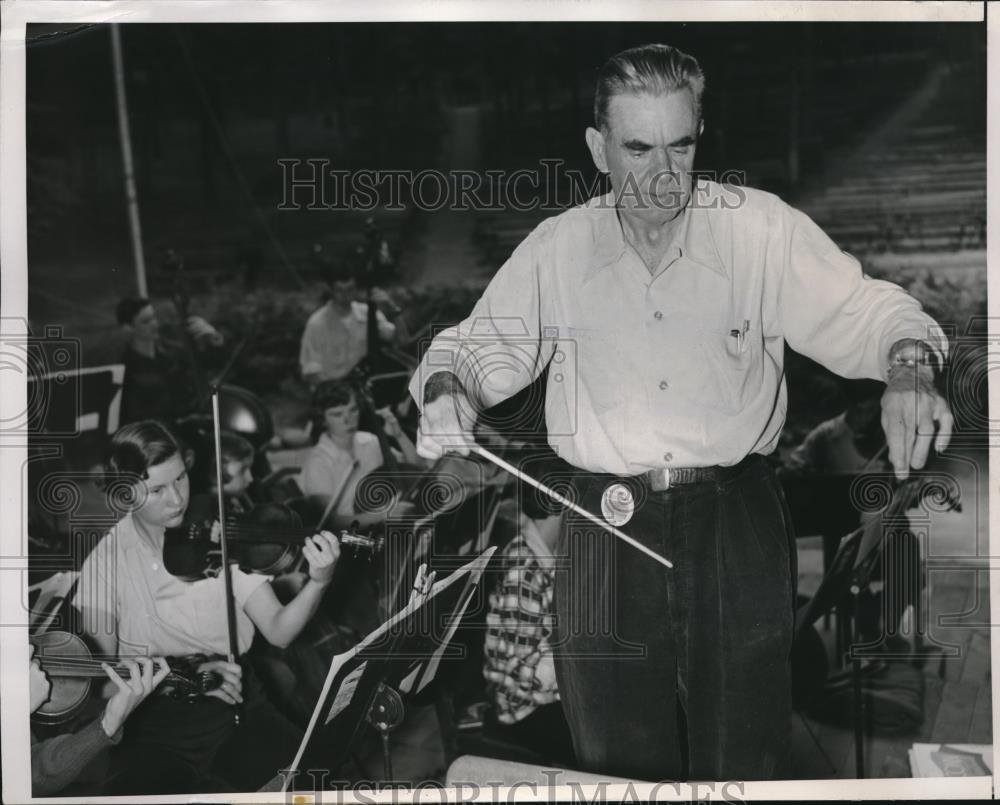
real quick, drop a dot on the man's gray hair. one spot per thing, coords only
(653, 69)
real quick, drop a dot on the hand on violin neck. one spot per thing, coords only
(144, 674)
(322, 551)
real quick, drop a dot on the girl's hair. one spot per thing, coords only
(329, 394)
(138, 446)
(234, 448)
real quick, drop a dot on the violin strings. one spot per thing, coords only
(80, 664)
(266, 532)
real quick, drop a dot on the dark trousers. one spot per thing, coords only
(681, 673)
(543, 731)
(182, 747)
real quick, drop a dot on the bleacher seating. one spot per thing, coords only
(921, 189)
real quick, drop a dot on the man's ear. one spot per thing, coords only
(596, 144)
(701, 127)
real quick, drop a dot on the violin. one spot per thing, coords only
(71, 669)
(267, 539)
(370, 491)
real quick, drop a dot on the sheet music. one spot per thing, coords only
(470, 573)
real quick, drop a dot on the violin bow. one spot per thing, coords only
(482, 451)
(335, 499)
(224, 542)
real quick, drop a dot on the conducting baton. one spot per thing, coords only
(482, 451)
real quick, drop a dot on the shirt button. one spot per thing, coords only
(664, 385)
(658, 315)
(668, 457)
(156, 566)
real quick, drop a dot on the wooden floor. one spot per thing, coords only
(957, 697)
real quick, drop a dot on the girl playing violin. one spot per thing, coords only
(130, 605)
(344, 455)
(57, 762)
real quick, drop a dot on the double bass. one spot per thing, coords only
(241, 411)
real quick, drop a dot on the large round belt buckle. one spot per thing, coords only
(617, 504)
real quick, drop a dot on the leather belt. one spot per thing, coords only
(662, 478)
(659, 480)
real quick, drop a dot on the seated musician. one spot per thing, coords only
(57, 762)
(518, 665)
(131, 605)
(335, 338)
(157, 381)
(344, 455)
(237, 462)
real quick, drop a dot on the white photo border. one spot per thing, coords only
(14, 737)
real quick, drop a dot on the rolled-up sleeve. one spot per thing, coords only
(831, 312)
(497, 350)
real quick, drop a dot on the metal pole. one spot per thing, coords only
(131, 196)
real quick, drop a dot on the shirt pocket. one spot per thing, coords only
(717, 368)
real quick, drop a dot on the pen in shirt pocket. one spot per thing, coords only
(741, 335)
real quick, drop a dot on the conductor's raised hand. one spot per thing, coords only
(914, 415)
(144, 674)
(446, 426)
(322, 551)
(231, 689)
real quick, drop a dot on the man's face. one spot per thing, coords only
(648, 152)
(145, 325)
(342, 420)
(164, 494)
(342, 293)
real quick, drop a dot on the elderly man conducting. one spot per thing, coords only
(662, 310)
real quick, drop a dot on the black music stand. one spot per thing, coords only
(363, 684)
(849, 573)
